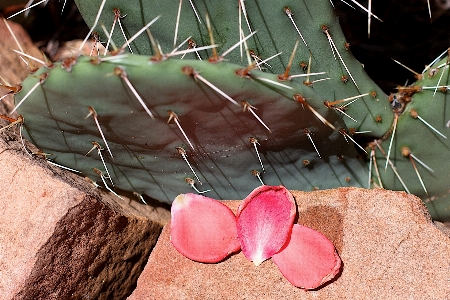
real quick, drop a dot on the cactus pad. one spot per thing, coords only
(177, 119)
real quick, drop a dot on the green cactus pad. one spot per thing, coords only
(146, 151)
(275, 32)
(169, 125)
(423, 142)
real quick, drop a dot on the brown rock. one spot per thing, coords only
(12, 69)
(389, 247)
(62, 238)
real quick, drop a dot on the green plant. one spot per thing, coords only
(221, 122)
(419, 144)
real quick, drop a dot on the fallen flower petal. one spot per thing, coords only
(309, 259)
(264, 221)
(202, 229)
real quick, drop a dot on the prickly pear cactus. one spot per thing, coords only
(278, 25)
(185, 134)
(419, 145)
(278, 99)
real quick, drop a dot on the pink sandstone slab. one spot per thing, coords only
(61, 238)
(389, 247)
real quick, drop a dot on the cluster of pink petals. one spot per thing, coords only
(207, 231)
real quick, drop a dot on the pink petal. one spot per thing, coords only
(202, 229)
(264, 222)
(309, 259)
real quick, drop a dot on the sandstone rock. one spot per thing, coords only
(389, 247)
(12, 69)
(61, 238)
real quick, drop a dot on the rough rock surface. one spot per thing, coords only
(389, 247)
(60, 237)
(12, 69)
